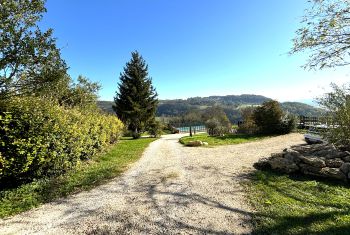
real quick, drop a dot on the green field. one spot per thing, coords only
(298, 205)
(222, 140)
(90, 174)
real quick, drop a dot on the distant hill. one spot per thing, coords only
(230, 103)
(106, 106)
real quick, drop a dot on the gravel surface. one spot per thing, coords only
(171, 190)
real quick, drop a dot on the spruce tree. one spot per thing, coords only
(136, 99)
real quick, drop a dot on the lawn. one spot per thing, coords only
(222, 140)
(298, 205)
(90, 174)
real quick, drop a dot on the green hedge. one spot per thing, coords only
(40, 138)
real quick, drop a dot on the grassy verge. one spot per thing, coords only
(298, 205)
(222, 140)
(88, 175)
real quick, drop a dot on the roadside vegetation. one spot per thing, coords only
(54, 139)
(89, 174)
(221, 140)
(298, 205)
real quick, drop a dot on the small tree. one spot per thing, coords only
(270, 119)
(136, 99)
(337, 105)
(216, 121)
(248, 126)
(154, 128)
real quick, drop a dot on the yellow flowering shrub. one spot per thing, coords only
(40, 138)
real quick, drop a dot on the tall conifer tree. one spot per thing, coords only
(136, 99)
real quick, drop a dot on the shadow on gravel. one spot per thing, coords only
(166, 207)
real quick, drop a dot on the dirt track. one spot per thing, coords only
(171, 190)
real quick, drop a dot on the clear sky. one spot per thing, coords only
(192, 47)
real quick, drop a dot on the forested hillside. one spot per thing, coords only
(232, 104)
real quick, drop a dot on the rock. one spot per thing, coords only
(346, 159)
(335, 163)
(293, 157)
(194, 143)
(341, 154)
(262, 164)
(313, 161)
(275, 155)
(345, 168)
(283, 165)
(334, 173)
(310, 170)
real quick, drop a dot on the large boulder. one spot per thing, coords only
(313, 161)
(346, 159)
(310, 170)
(334, 173)
(283, 165)
(194, 143)
(345, 168)
(292, 156)
(263, 164)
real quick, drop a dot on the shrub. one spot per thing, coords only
(155, 129)
(337, 105)
(215, 127)
(216, 121)
(40, 138)
(270, 119)
(248, 126)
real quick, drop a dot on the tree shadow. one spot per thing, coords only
(329, 216)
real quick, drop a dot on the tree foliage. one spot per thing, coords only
(248, 126)
(325, 33)
(136, 99)
(270, 119)
(337, 105)
(216, 121)
(29, 58)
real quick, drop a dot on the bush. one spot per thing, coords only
(216, 121)
(215, 127)
(337, 105)
(248, 126)
(40, 138)
(270, 119)
(155, 129)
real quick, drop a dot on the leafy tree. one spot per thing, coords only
(248, 126)
(136, 99)
(337, 105)
(270, 119)
(325, 32)
(216, 121)
(29, 58)
(81, 94)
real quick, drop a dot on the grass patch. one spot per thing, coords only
(298, 205)
(90, 174)
(222, 140)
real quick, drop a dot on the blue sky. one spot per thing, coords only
(193, 48)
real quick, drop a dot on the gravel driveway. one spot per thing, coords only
(171, 190)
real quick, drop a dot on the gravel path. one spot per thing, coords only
(171, 190)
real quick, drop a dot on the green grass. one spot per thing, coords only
(94, 172)
(222, 140)
(298, 205)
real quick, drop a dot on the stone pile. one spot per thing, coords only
(321, 160)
